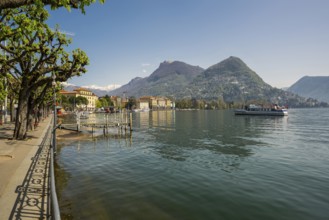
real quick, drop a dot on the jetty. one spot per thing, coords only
(121, 122)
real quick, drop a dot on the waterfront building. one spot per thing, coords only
(154, 102)
(117, 102)
(143, 103)
(89, 95)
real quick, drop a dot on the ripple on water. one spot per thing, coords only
(206, 165)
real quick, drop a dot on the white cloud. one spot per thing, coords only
(106, 88)
(145, 64)
(67, 84)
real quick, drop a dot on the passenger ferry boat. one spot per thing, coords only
(258, 110)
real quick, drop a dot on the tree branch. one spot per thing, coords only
(5, 4)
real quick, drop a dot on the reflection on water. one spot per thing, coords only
(201, 165)
(160, 119)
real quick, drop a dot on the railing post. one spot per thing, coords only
(55, 115)
(55, 207)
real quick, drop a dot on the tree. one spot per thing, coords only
(132, 102)
(80, 4)
(72, 101)
(102, 102)
(65, 102)
(184, 103)
(80, 100)
(2, 89)
(108, 100)
(98, 104)
(197, 104)
(34, 53)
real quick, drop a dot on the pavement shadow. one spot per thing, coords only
(6, 133)
(33, 194)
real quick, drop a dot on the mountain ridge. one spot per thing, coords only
(316, 87)
(228, 81)
(164, 81)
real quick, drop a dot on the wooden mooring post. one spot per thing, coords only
(130, 121)
(121, 125)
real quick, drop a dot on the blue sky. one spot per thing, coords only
(281, 40)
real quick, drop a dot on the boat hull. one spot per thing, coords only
(282, 112)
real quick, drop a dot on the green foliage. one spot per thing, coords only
(183, 103)
(98, 104)
(67, 102)
(33, 53)
(54, 4)
(103, 102)
(108, 101)
(81, 4)
(81, 100)
(132, 102)
(3, 91)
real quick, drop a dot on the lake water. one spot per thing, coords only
(201, 165)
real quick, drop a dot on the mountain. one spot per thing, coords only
(166, 80)
(230, 80)
(316, 87)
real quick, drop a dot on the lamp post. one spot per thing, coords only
(6, 100)
(55, 113)
(6, 90)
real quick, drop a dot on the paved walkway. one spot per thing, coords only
(24, 174)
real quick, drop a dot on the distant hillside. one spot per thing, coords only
(316, 87)
(166, 80)
(230, 81)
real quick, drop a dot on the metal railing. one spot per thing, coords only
(55, 212)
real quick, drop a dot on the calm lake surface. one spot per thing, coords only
(201, 165)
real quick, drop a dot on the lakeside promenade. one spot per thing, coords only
(24, 167)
